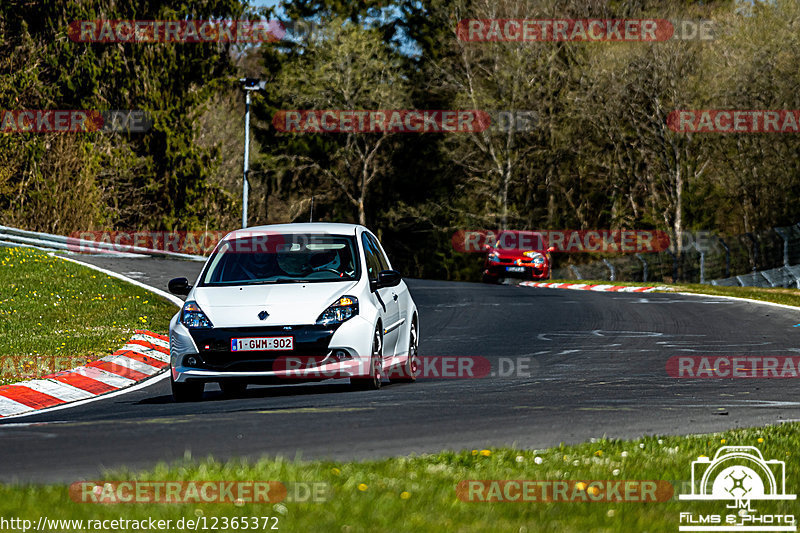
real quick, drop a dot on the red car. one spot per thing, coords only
(524, 256)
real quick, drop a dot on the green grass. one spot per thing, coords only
(56, 315)
(775, 295)
(418, 493)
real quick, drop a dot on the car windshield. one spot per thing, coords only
(283, 258)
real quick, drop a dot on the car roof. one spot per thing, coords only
(331, 228)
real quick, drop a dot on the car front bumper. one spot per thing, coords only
(319, 352)
(498, 270)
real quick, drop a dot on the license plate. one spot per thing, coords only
(262, 344)
(515, 269)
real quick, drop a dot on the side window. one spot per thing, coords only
(378, 252)
(373, 264)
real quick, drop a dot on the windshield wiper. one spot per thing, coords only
(275, 281)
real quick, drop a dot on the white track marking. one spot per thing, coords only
(172, 298)
(142, 384)
(56, 389)
(98, 374)
(10, 407)
(149, 352)
(133, 364)
(152, 340)
(773, 304)
(596, 288)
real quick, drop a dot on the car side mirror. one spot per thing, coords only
(179, 286)
(387, 278)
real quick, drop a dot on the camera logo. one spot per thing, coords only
(738, 474)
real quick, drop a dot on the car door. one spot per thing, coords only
(401, 296)
(385, 298)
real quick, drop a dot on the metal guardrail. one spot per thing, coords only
(16, 237)
(770, 258)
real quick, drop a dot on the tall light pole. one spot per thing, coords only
(248, 85)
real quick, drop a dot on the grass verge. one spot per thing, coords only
(55, 315)
(418, 493)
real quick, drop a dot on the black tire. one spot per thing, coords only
(233, 389)
(373, 382)
(409, 370)
(190, 391)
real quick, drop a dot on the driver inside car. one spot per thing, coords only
(328, 260)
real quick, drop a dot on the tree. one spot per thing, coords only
(153, 179)
(344, 67)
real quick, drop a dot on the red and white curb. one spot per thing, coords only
(143, 356)
(587, 287)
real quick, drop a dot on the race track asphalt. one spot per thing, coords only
(596, 367)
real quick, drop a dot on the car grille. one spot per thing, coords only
(215, 353)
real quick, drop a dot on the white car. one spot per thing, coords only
(293, 302)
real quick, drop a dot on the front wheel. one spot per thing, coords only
(373, 381)
(191, 391)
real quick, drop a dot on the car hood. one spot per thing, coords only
(514, 255)
(288, 304)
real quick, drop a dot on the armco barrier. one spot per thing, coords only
(769, 258)
(46, 241)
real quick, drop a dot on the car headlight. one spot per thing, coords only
(342, 309)
(536, 257)
(194, 317)
(494, 257)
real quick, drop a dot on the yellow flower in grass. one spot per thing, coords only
(362, 487)
(405, 495)
(486, 453)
